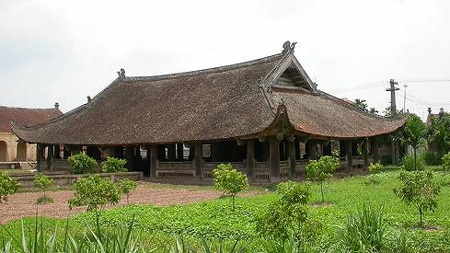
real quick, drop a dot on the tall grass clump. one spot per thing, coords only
(364, 231)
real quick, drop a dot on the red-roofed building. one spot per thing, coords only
(11, 149)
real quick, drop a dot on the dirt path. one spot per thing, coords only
(23, 204)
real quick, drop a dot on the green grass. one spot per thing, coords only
(216, 222)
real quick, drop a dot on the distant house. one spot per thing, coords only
(11, 148)
(264, 116)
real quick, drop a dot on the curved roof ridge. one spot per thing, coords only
(203, 71)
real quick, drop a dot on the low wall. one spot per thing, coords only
(59, 179)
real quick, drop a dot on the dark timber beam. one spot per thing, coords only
(152, 157)
(349, 151)
(250, 158)
(374, 148)
(50, 157)
(291, 155)
(365, 155)
(274, 160)
(198, 155)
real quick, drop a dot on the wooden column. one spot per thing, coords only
(198, 155)
(171, 152)
(180, 152)
(250, 159)
(50, 157)
(291, 155)
(39, 150)
(274, 160)
(57, 153)
(374, 148)
(311, 146)
(349, 155)
(129, 157)
(365, 155)
(152, 157)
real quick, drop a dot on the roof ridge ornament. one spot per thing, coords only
(288, 47)
(121, 73)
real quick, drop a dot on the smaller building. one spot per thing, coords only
(11, 148)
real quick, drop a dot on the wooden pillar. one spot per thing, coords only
(365, 155)
(129, 152)
(311, 147)
(39, 151)
(291, 155)
(297, 149)
(374, 148)
(171, 152)
(250, 159)
(198, 155)
(180, 152)
(152, 157)
(349, 155)
(215, 152)
(327, 148)
(50, 157)
(274, 159)
(57, 153)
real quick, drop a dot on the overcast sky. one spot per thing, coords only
(62, 51)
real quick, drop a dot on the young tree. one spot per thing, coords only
(94, 192)
(419, 190)
(229, 180)
(127, 186)
(112, 165)
(8, 186)
(43, 182)
(361, 103)
(439, 132)
(320, 170)
(413, 134)
(446, 162)
(82, 163)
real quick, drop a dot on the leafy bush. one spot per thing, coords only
(43, 182)
(82, 163)
(364, 231)
(320, 170)
(375, 168)
(126, 186)
(94, 192)
(113, 165)
(229, 180)
(283, 219)
(8, 186)
(432, 158)
(446, 162)
(408, 163)
(419, 190)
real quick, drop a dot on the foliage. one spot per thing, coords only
(82, 163)
(320, 170)
(364, 231)
(446, 162)
(375, 168)
(413, 134)
(94, 192)
(439, 132)
(43, 182)
(432, 158)
(127, 186)
(419, 190)
(361, 104)
(113, 165)
(229, 180)
(284, 218)
(8, 186)
(408, 163)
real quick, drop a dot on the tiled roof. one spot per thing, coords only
(219, 103)
(25, 116)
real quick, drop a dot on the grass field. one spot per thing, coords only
(214, 221)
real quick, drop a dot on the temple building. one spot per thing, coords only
(265, 116)
(12, 149)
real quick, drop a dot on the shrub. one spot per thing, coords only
(320, 170)
(432, 158)
(8, 186)
(419, 190)
(94, 192)
(43, 182)
(364, 231)
(113, 165)
(408, 163)
(126, 186)
(446, 162)
(82, 163)
(283, 219)
(375, 168)
(229, 180)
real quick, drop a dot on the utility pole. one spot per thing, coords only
(404, 99)
(392, 89)
(394, 144)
